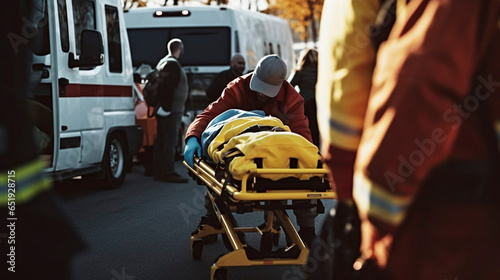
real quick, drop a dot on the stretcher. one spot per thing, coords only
(254, 193)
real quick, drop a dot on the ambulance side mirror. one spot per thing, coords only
(92, 50)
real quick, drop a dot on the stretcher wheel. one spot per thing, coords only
(220, 274)
(209, 239)
(197, 249)
(266, 242)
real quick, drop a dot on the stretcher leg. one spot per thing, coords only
(243, 255)
(269, 233)
(290, 230)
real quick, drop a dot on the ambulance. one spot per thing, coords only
(83, 101)
(211, 36)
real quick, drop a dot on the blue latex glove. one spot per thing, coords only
(192, 148)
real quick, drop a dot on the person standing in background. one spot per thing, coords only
(173, 90)
(237, 66)
(305, 77)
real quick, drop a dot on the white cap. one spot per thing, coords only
(268, 75)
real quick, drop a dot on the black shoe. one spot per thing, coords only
(172, 178)
(307, 234)
(211, 221)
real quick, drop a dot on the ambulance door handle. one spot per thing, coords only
(63, 82)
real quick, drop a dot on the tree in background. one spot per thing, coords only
(303, 15)
(127, 4)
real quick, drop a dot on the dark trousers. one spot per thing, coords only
(167, 134)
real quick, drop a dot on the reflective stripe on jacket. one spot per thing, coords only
(22, 183)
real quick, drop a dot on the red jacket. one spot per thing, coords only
(438, 64)
(288, 106)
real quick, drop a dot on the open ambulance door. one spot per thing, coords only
(78, 118)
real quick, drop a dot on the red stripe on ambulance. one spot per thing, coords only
(82, 90)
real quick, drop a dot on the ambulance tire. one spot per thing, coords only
(114, 162)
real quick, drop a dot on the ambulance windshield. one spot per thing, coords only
(203, 46)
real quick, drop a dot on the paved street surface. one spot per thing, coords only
(141, 231)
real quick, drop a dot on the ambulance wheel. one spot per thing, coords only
(197, 249)
(114, 162)
(220, 274)
(266, 242)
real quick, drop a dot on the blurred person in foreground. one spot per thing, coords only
(305, 76)
(426, 174)
(236, 68)
(36, 241)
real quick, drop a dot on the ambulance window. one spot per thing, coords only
(63, 24)
(40, 44)
(148, 45)
(84, 14)
(114, 41)
(200, 41)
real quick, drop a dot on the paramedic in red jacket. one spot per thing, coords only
(265, 89)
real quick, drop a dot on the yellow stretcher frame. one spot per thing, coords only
(238, 257)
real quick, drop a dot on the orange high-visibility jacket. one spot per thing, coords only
(439, 63)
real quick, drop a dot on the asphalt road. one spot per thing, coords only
(141, 231)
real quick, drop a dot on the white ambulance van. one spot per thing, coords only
(211, 36)
(84, 102)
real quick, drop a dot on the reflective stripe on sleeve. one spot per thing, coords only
(344, 136)
(379, 203)
(27, 181)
